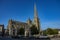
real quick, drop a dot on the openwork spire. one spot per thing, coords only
(35, 11)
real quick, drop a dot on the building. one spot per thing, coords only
(1, 29)
(6, 32)
(14, 26)
(59, 32)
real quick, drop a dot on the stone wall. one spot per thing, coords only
(7, 38)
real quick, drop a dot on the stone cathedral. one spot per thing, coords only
(13, 26)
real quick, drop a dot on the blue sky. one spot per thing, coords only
(21, 10)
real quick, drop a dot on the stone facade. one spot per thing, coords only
(13, 25)
(1, 29)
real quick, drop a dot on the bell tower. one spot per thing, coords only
(36, 19)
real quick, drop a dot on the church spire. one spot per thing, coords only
(36, 19)
(35, 11)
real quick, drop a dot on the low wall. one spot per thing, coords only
(4, 38)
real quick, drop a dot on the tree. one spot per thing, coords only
(44, 32)
(21, 31)
(51, 31)
(55, 31)
(34, 30)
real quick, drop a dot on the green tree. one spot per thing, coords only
(21, 31)
(50, 31)
(34, 30)
(55, 31)
(44, 32)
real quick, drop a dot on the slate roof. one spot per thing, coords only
(18, 22)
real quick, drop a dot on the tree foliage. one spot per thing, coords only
(34, 30)
(44, 33)
(50, 31)
(55, 31)
(21, 31)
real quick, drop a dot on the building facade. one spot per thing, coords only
(14, 26)
(1, 29)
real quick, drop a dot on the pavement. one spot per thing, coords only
(55, 38)
(8, 38)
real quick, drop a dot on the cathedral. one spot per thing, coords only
(14, 26)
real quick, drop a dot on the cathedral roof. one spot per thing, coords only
(18, 22)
